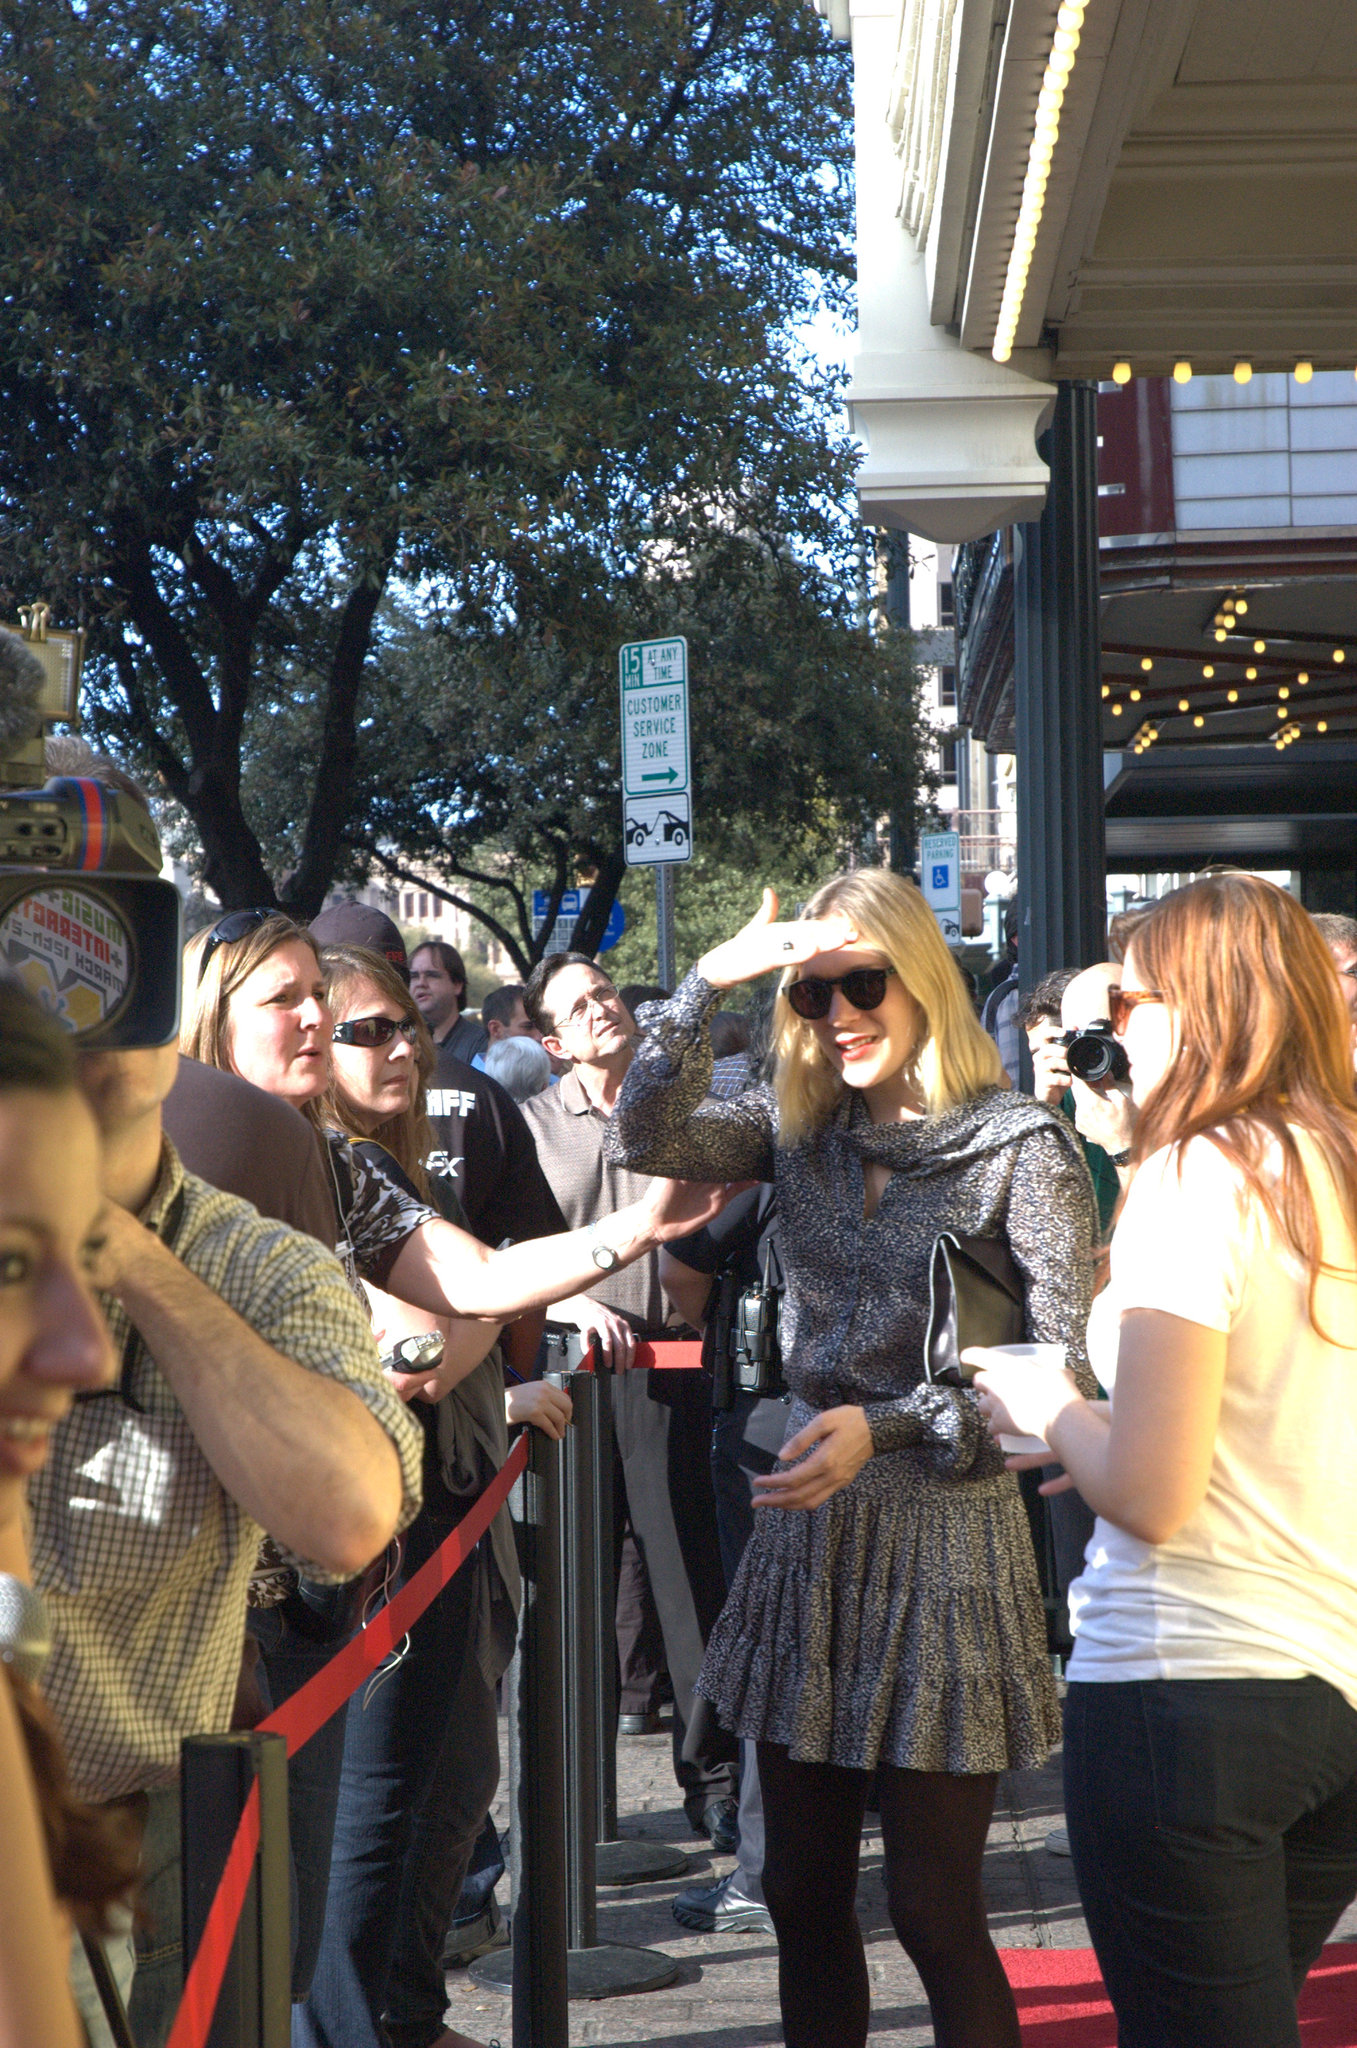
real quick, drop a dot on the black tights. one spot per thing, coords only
(934, 1826)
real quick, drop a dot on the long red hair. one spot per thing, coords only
(1265, 1047)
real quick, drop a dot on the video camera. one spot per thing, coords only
(1093, 1053)
(87, 926)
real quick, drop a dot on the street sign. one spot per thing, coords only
(654, 683)
(940, 873)
(657, 830)
(572, 907)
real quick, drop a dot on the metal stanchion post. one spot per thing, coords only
(535, 1966)
(616, 1862)
(593, 1969)
(606, 1970)
(217, 1771)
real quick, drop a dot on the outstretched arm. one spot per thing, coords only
(450, 1272)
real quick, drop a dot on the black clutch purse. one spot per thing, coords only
(975, 1296)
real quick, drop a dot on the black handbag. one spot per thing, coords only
(975, 1296)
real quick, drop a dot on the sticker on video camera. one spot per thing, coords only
(71, 951)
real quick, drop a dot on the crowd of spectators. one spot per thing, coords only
(275, 1298)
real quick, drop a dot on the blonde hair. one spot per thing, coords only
(205, 1021)
(954, 1058)
(407, 1137)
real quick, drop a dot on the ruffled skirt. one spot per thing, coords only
(899, 1623)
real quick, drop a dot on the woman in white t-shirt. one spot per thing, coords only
(1211, 1719)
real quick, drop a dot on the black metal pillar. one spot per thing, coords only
(216, 1775)
(892, 575)
(1062, 844)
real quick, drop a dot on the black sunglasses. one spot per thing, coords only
(370, 1032)
(864, 987)
(237, 924)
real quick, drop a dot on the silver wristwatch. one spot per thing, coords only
(604, 1257)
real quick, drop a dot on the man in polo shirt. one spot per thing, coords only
(250, 1398)
(662, 1420)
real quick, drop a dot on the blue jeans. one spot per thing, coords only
(395, 1728)
(289, 1659)
(1213, 1825)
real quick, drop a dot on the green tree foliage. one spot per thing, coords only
(325, 320)
(804, 729)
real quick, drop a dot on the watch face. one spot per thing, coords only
(605, 1258)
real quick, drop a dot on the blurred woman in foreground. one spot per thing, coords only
(53, 1345)
(1211, 1719)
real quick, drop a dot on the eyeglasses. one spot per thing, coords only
(864, 988)
(596, 999)
(1121, 1002)
(370, 1032)
(237, 924)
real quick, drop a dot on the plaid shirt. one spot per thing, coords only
(140, 1554)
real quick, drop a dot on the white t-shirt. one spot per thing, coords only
(1261, 1582)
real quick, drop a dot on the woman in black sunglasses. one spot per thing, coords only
(886, 1616)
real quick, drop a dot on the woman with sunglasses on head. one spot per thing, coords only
(1211, 1717)
(421, 1751)
(886, 1615)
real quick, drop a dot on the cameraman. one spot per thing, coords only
(1062, 1006)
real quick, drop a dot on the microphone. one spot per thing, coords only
(21, 682)
(25, 1639)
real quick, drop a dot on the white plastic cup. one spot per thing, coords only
(1036, 1354)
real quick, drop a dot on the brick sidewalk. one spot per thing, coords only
(725, 1995)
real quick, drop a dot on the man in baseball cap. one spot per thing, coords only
(359, 924)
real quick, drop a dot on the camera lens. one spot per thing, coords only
(1095, 1055)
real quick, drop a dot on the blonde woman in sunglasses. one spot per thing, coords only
(886, 1616)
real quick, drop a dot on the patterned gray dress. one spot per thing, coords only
(901, 1621)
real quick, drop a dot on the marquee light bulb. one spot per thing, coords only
(1199, 720)
(1184, 704)
(1339, 655)
(1243, 372)
(1135, 696)
(1146, 663)
(1241, 605)
(1304, 676)
(1121, 373)
(1260, 646)
(1251, 675)
(1323, 725)
(1182, 372)
(1304, 372)
(1208, 671)
(1220, 632)
(1232, 696)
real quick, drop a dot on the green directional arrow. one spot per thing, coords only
(668, 775)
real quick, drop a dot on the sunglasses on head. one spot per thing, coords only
(370, 1032)
(864, 988)
(237, 924)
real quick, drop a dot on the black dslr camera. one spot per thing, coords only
(87, 926)
(1093, 1053)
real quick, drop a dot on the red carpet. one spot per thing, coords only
(1062, 2004)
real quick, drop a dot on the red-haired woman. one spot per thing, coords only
(1211, 1721)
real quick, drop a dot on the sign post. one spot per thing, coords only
(940, 873)
(657, 816)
